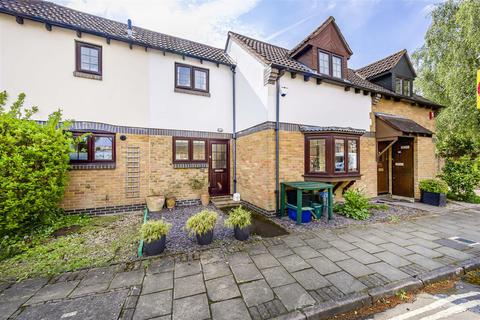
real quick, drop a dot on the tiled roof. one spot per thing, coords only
(331, 129)
(381, 66)
(357, 80)
(65, 17)
(403, 124)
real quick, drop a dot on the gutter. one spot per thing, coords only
(234, 111)
(277, 140)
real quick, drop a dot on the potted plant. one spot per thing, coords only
(155, 201)
(154, 235)
(240, 220)
(198, 185)
(170, 195)
(433, 192)
(201, 225)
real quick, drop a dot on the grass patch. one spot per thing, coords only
(98, 241)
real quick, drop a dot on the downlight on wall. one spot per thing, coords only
(283, 91)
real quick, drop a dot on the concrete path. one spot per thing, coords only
(270, 278)
(461, 303)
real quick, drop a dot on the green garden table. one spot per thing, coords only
(301, 186)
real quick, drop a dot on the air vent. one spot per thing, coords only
(468, 242)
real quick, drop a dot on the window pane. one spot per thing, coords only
(103, 148)
(339, 155)
(323, 63)
(352, 155)
(183, 76)
(406, 87)
(181, 149)
(337, 67)
(80, 150)
(398, 85)
(198, 150)
(200, 79)
(219, 156)
(89, 59)
(317, 155)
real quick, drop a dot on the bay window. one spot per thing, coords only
(332, 155)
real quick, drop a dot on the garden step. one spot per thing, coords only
(223, 201)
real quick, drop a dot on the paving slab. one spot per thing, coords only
(127, 279)
(369, 247)
(211, 256)
(317, 243)
(426, 252)
(222, 288)
(164, 264)
(280, 250)
(234, 309)
(153, 305)
(334, 254)
(183, 269)
(106, 306)
(238, 258)
(58, 290)
(362, 256)
(216, 270)
(345, 282)
(396, 249)
(257, 248)
(277, 276)
(424, 261)
(246, 272)
(157, 282)
(310, 279)
(306, 252)
(293, 241)
(88, 289)
(191, 308)
(392, 259)
(256, 292)
(293, 296)
(389, 272)
(97, 275)
(188, 286)
(323, 265)
(342, 245)
(265, 260)
(456, 254)
(355, 268)
(293, 263)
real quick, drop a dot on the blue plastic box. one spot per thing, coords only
(306, 215)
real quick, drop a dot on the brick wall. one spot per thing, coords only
(368, 166)
(425, 162)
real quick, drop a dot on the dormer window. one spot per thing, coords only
(329, 64)
(402, 86)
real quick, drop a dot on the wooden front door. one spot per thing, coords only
(218, 168)
(402, 168)
(382, 168)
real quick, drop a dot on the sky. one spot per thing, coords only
(373, 28)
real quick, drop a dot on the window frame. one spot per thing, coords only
(190, 150)
(330, 63)
(341, 65)
(402, 88)
(330, 155)
(192, 77)
(78, 57)
(91, 147)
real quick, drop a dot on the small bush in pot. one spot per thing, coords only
(201, 225)
(433, 192)
(154, 235)
(240, 220)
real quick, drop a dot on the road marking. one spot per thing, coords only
(434, 305)
(453, 310)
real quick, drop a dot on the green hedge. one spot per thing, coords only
(462, 176)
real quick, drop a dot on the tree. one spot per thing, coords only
(34, 162)
(447, 65)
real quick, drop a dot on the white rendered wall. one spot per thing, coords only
(251, 93)
(137, 88)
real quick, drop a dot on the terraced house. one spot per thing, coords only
(163, 110)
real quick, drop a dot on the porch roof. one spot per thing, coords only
(395, 126)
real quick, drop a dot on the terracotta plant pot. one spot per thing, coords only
(205, 198)
(154, 247)
(205, 238)
(241, 234)
(171, 202)
(155, 203)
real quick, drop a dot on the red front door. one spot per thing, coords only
(218, 167)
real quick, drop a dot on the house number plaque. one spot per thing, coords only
(399, 164)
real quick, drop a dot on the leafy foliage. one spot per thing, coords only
(462, 176)
(239, 217)
(356, 205)
(154, 230)
(447, 65)
(201, 222)
(34, 160)
(434, 185)
(198, 183)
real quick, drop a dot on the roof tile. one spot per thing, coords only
(381, 66)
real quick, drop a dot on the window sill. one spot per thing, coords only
(196, 93)
(189, 165)
(87, 75)
(332, 178)
(92, 166)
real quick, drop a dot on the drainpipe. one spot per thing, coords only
(234, 131)
(277, 142)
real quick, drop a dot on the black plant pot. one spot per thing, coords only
(206, 238)
(241, 234)
(154, 247)
(434, 199)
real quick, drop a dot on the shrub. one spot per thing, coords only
(462, 176)
(201, 222)
(434, 185)
(34, 162)
(154, 230)
(239, 217)
(356, 205)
